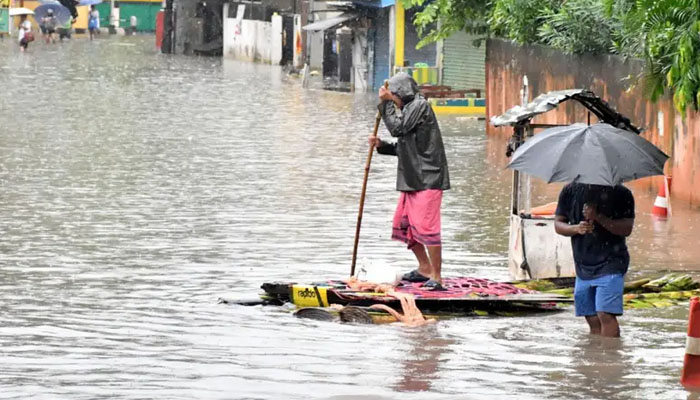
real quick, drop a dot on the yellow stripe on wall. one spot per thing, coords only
(400, 24)
(461, 110)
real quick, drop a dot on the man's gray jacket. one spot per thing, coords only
(422, 161)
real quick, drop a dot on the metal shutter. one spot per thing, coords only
(382, 51)
(463, 63)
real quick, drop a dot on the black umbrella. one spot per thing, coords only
(598, 154)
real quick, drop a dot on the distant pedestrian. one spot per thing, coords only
(598, 219)
(48, 26)
(25, 33)
(94, 22)
(64, 32)
(133, 21)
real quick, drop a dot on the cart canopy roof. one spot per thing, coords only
(521, 115)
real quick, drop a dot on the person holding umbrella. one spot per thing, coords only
(594, 209)
(598, 219)
(422, 174)
(48, 26)
(25, 33)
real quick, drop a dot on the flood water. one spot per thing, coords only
(138, 188)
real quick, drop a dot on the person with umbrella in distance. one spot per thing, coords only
(594, 209)
(25, 33)
(422, 174)
(48, 25)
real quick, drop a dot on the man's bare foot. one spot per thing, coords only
(425, 270)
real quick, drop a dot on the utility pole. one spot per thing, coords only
(167, 45)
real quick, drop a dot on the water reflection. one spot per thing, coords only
(600, 368)
(420, 368)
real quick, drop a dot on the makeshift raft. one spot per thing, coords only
(335, 301)
(462, 297)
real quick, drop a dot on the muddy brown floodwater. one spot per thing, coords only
(138, 188)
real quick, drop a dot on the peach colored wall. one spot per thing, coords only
(611, 78)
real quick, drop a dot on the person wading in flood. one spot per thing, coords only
(48, 26)
(422, 174)
(598, 219)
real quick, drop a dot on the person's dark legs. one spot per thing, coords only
(594, 324)
(424, 267)
(609, 327)
(435, 253)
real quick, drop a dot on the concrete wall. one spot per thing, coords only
(250, 40)
(611, 78)
(188, 27)
(360, 63)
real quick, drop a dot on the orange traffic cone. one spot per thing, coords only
(661, 204)
(690, 377)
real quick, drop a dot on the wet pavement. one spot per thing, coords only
(138, 188)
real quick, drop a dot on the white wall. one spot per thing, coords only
(359, 61)
(276, 40)
(250, 40)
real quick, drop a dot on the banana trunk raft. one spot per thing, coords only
(665, 291)
(463, 297)
(337, 300)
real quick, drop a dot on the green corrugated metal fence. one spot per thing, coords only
(145, 15)
(103, 9)
(464, 64)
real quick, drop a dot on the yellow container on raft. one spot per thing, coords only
(309, 296)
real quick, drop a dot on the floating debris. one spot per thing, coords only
(665, 291)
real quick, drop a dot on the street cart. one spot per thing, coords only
(535, 250)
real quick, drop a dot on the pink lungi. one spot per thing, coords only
(417, 218)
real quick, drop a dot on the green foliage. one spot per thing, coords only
(519, 20)
(454, 15)
(579, 26)
(667, 34)
(664, 33)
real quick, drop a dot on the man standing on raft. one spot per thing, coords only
(421, 176)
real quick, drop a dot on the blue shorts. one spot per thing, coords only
(602, 294)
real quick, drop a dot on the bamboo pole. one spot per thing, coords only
(377, 120)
